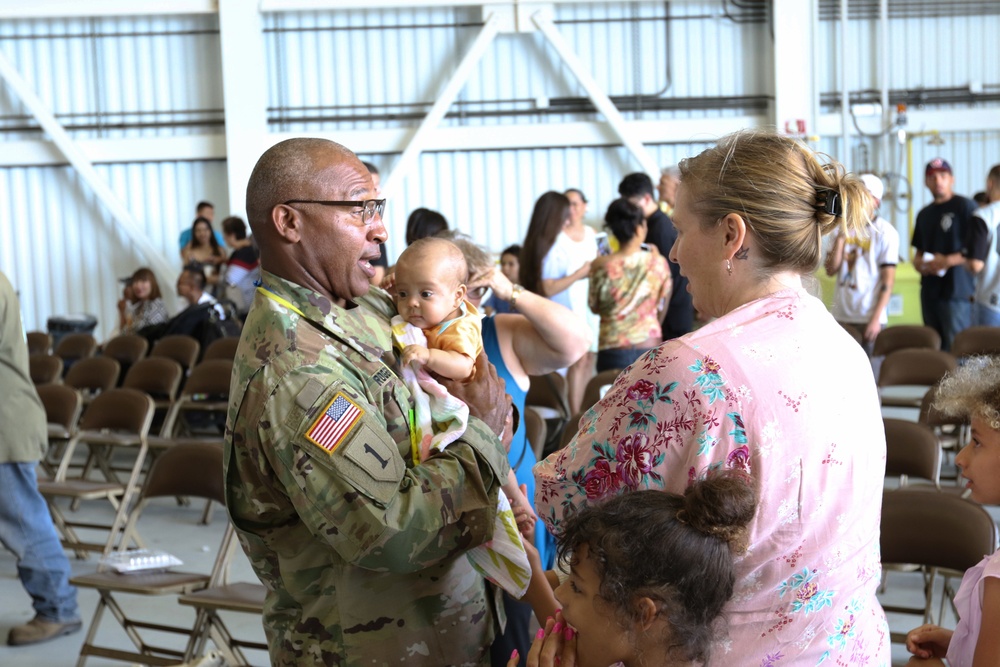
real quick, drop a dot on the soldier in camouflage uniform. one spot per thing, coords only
(361, 552)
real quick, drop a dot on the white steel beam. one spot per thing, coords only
(421, 138)
(41, 153)
(944, 121)
(244, 93)
(10, 9)
(544, 135)
(616, 121)
(314, 5)
(794, 66)
(85, 169)
(41, 9)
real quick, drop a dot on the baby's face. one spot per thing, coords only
(427, 295)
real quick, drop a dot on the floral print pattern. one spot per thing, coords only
(624, 291)
(806, 587)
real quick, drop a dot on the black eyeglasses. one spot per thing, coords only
(369, 207)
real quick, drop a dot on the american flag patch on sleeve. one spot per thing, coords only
(337, 421)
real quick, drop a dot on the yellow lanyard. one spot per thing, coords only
(414, 445)
(283, 301)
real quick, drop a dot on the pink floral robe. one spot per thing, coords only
(777, 388)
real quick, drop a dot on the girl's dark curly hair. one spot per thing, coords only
(676, 550)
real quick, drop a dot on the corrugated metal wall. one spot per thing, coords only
(489, 194)
(64, 253)
(160, 76)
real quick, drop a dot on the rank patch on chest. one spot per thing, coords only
(336, 423)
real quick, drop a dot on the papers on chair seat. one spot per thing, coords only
(139, 560)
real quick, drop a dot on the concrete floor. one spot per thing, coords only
(165, 526)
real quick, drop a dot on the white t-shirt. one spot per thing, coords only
(565, 257)
(988, 280)
(857, 282)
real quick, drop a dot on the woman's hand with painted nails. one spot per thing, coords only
(554, 645)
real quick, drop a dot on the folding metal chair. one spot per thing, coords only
(933, 534)
(63, 406)
(73, 347)
(160, 377)
(206, 392)
(191, 470)
(198, 416)
(911, 373)
(244, 597)
(905, 336)
(976, 340)
(115, 419)
(547, 394)
(182, 349)
(911, 450)
(93, 375)
(45, 368)
(222, 348)
(39, 342)
(126, 349)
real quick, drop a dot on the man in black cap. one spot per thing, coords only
(939, 241)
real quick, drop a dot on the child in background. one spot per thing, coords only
(972, 391)
(650, 572)
(440, 332)
(510, 266)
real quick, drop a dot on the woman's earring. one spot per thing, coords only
(729, 267)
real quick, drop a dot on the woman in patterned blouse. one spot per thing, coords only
(143, 304)
(629, 289)
(772, 386)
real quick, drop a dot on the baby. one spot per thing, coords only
(429, 284)
(430, 295)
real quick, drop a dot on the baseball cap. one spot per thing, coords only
(874, 185)
(937, 164)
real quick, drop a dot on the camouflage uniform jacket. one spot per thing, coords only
(362, 554)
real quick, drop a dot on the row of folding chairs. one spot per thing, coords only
(86, 371)
(190, 470)
(969, 342)
(115, 429)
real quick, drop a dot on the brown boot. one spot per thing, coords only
(39, 630)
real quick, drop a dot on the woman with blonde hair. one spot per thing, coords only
(772, 386)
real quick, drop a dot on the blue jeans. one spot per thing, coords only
(986, 316)
(26, 529)
(947, 317)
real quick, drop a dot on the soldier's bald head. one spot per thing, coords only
(287, 171)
